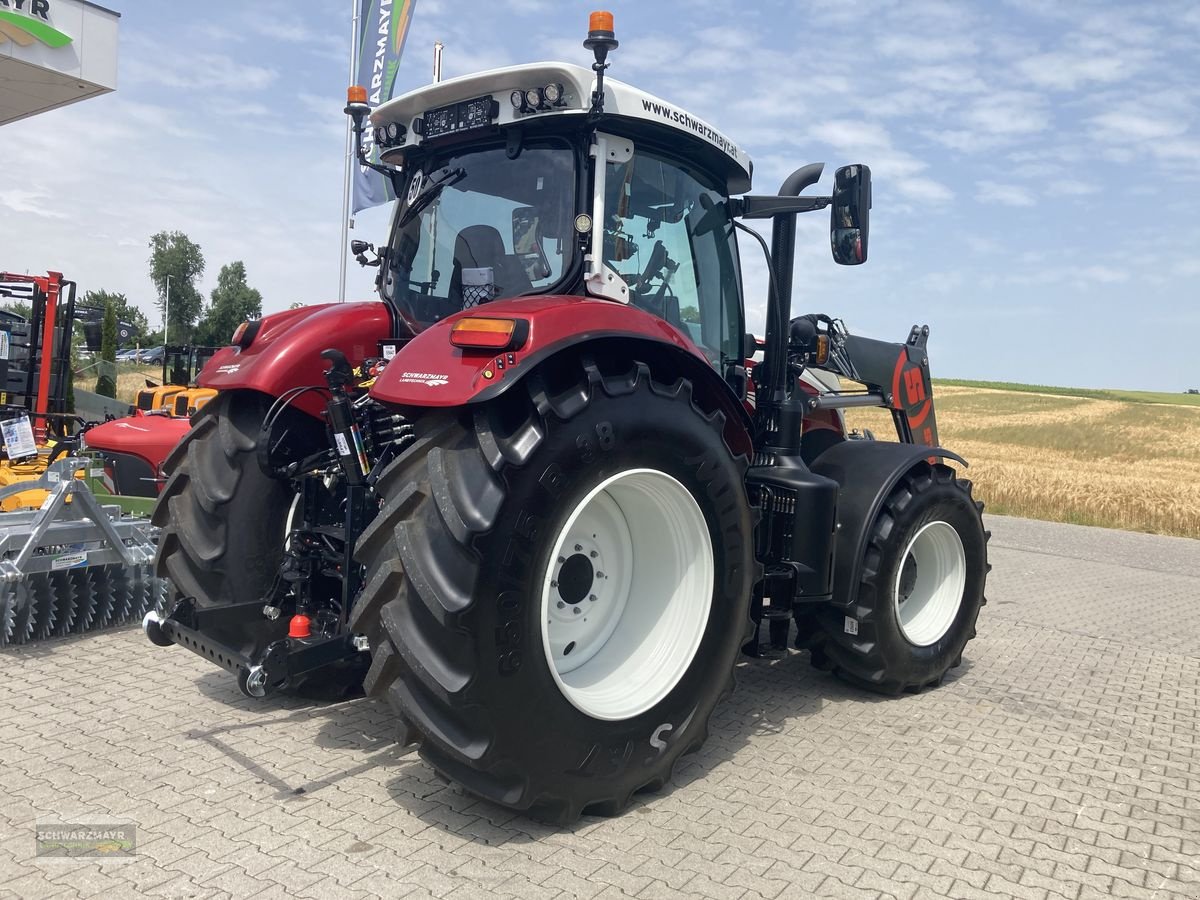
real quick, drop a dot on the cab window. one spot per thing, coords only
(676, 267)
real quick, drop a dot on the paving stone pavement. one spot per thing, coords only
(1059, 761)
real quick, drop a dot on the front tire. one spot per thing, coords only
(921, 589)
(593, 482)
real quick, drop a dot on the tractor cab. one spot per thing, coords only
(513, 186)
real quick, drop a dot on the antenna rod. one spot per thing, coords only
(346, 180)
(438, 46)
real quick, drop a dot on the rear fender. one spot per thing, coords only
(286, 350)
(429, 372)
(866, 472)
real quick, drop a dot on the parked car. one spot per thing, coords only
(152, 355)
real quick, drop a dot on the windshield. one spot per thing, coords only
(477, 226)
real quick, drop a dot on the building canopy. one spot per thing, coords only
(54, 52)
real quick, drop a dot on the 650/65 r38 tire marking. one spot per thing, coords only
(593, 480)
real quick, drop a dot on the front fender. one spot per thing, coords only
(866, 472)
(286, 350)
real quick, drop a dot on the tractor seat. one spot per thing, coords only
(481, 246)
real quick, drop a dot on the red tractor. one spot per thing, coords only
(535, 492)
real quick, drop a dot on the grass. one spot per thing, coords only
(1115, 459)
(1180, 399)
(131, 378)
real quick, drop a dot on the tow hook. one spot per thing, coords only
(253, 683)
(152, 628)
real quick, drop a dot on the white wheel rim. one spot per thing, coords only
(627, 594)
(930, 584)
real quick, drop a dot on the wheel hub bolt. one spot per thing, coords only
(561, 604)
(594, 554)
(578, 547)
(561, 560)
(592, 597)
(578, 610)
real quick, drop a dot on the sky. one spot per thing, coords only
(1036, 165)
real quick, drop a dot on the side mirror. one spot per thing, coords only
(849, 216)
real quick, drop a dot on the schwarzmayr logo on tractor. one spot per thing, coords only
(30, 22)
(681, 118)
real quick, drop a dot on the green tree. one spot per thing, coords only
(233, 302)
(690, 314)
(126, 312)
(176, 264)
(106, 384)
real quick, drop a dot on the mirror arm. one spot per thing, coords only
(766, 207)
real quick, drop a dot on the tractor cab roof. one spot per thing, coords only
(540, 92)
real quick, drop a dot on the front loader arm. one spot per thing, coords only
(896, 377)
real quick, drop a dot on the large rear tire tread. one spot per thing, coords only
(429, 594)
(878, 657)
(223, 521)
(218, 509)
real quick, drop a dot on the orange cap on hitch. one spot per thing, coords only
(300, 626)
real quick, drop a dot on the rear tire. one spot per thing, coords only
(224, 522)
(474, 576)
(223, 519)
(921, 590)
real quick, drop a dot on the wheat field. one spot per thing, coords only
(132, 378)
(1118, 463)
(1114, 463)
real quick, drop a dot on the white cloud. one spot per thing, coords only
(1005, 194)
(1100, 274)
(1069, 72)
(945, 78)
(1128, 125)
(1067, 186)
(35, 203)
(198, 71)
(897, 169)
(923, 48)
(1009, 114)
